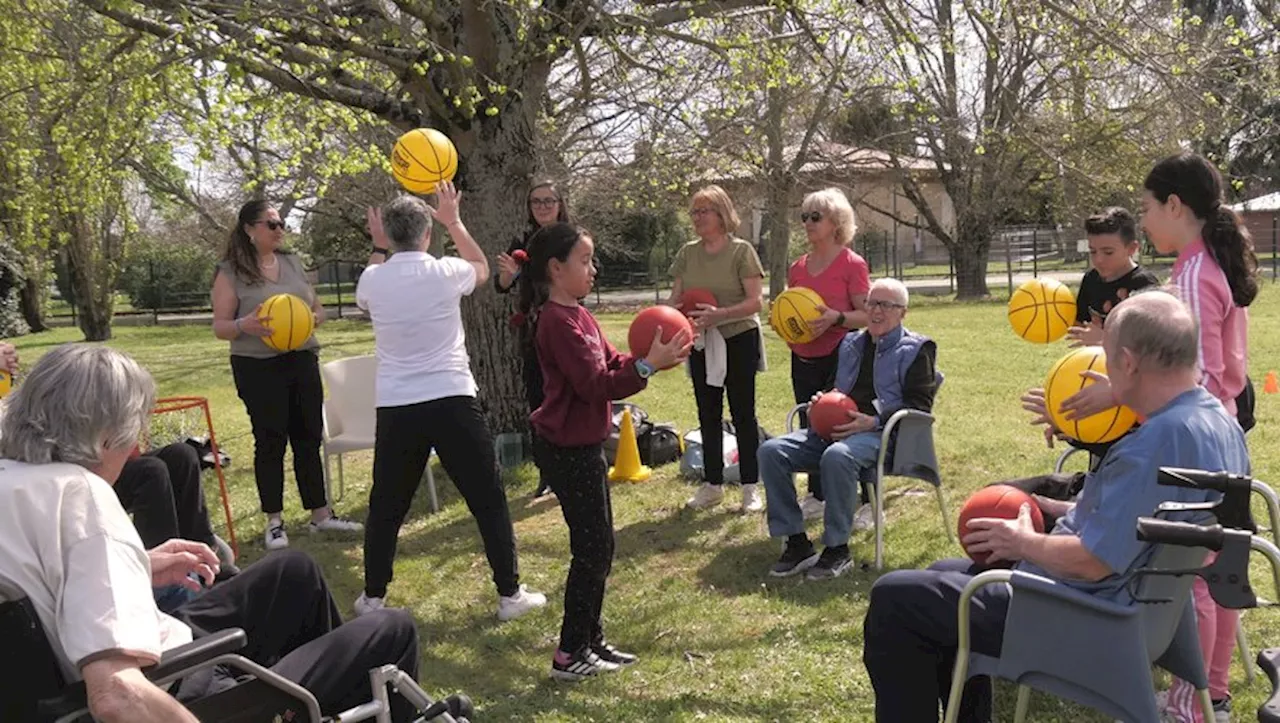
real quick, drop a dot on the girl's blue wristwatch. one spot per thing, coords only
(644, 369)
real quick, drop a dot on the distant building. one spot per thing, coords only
(1262, 216)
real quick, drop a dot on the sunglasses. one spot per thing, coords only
(271, 224)
(886, 305)
(814, 216)
(543, 202)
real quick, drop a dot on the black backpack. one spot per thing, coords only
(658, 443)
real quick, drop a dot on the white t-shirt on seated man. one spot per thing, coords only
(414, 300)
(68, 546)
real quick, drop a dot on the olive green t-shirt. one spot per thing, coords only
(721, 273)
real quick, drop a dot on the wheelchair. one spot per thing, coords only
(1233, 537)
(33, 689)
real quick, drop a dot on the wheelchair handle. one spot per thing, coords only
(1201, 480)
(1183, 534)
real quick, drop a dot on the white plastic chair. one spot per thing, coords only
(350, 417)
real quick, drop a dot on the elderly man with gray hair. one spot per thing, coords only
(426, 396)
(883, 368)
(69, 548)
(910, 629)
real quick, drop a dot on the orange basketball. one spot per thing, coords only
(1000, 501)
(640, 336)
(690, 298)
(832, 408)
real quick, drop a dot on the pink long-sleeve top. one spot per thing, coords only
(1224, 327)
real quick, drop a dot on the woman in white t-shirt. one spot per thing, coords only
(426, 396)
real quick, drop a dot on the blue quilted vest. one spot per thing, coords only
(894, 354)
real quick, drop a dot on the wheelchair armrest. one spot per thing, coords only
(1068, 595)
(197, 652)
(184, 657)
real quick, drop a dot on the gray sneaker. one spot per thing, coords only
(833, 563)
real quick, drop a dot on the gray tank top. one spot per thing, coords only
(292, 280)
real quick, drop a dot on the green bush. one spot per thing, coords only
(162, 275)
(12, 323)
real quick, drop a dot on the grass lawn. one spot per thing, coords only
(719, 639)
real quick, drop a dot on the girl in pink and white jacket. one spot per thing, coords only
(1216, 275)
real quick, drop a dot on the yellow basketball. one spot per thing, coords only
(6, 383)
(1065, 380)
(422, 158)
(1041, 310)
(291, 322)
(791, 313)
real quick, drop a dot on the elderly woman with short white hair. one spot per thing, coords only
(843, 279)
(68, 547)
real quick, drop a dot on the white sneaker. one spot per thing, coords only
(707, 496)
(863, 517)
(510, 608)
(812, 508)
(365, 604)
(751, 501)
(277, 539)
(333, 523)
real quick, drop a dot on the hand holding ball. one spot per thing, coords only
(290, 320)
(1065, 379)
(691, 298)
(644, 331)
(830, 410)
(1000, 502)
(521, 256)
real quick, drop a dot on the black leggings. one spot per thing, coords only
(405, 436)
(808, 377)
(285, 400)
(577, 476)
(743, 352)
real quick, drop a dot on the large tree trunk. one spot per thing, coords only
(497, 176)
(92, 260)
(779, 201)
(970, 253)
(30, 300)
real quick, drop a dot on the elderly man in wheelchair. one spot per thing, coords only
(73, 562)
(911, 628)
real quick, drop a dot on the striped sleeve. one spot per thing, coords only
(1204, 288)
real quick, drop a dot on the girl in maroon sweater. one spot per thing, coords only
(582, 374)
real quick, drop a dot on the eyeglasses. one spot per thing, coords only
(701, 212)
(886, 305)
(814, 216)
(544, 202)
(271, 224)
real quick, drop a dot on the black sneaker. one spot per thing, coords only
(610, 654)
(579, 666)
(833, 563)
(542, 491)
(797, 557)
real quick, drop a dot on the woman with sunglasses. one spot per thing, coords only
(545, 206)
(843, 279)
(281, 391)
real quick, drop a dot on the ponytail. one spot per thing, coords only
(555, 241)
(1197, 183)
(1229, 243)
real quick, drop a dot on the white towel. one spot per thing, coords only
(716, 355)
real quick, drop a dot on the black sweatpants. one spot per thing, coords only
(405, 436)
(910, 637)
(285, 400)
(743, 361)
(294, 628)
(808, 377)
(161, 490)
(577, 476)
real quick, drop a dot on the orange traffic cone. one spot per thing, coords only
(1271, 386)
(628, 467)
